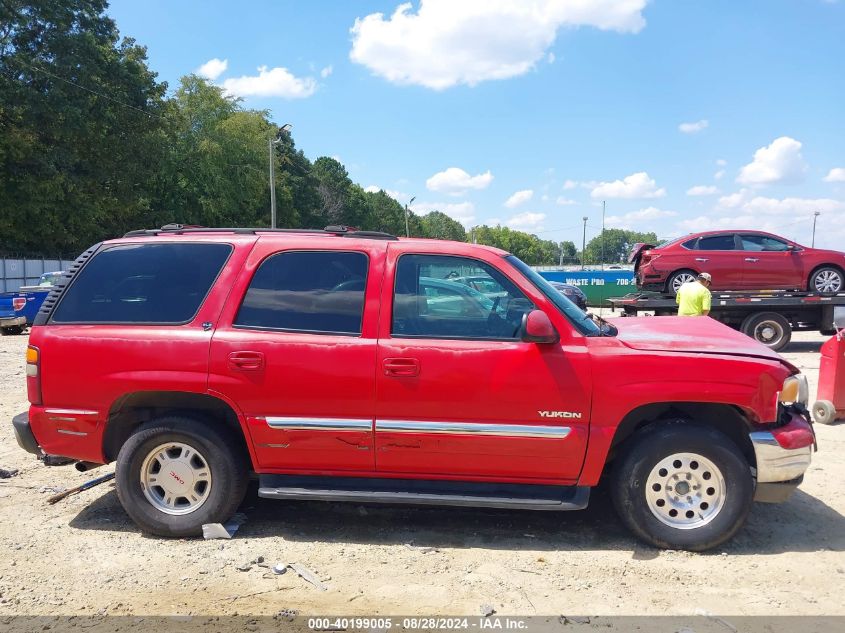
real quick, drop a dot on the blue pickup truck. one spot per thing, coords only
(19, 307)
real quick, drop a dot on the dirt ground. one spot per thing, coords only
(83, 556)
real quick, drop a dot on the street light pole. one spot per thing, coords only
(815, 217)
(584, 243)
(282, 130)
(410, 202)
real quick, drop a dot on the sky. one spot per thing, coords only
(679, 115)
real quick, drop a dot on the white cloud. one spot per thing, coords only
(463, 212)
(518, 198)
(445, 43)
(718, 175)
(526, 221)
(564, 202)
(781, 161)
(721, 162)
(702, 190)
(837, 174)
(325, 72)
(638, 185)
(213, 68)
(399, 196)
(692, 128)
(550, 58)
(271, 82)
(635, 219)
(570, 184)
(456, 182)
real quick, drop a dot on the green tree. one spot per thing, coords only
(438, 225)
(340, 202)
(527, 247)
(81, 117)
(617, 245)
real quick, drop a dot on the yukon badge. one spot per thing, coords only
(572, 415)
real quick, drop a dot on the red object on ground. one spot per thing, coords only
(831, 379)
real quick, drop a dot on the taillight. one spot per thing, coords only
(33, 374)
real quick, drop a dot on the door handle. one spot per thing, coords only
(751, 259)
(701, 259)
(246, 361)
(401, 367)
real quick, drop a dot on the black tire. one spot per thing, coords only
(216, 445)
(676, 277)
(645, 451)
(824, 412)
(769, 328)
(12, 329)
(825, 275)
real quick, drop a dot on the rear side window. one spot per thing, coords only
(159, 284)
(717, 243)
(306, 291)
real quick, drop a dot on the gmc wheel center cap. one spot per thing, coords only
(178, 478)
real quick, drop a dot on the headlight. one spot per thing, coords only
(795, 389)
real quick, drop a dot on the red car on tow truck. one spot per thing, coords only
(319, 362)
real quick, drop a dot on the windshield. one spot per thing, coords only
(576, 315)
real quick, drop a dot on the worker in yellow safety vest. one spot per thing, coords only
(693, 297)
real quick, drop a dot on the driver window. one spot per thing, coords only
(762, 243)
(438, 296)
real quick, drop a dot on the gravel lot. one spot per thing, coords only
(83, 556)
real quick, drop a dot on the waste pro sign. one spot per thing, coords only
(598, 285)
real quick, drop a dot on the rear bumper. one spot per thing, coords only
(12, 321)
(783, 456)
(23, 434)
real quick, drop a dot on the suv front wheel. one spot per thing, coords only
(174, 474)
(679, 485)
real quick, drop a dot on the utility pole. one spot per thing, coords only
(561, 255)
(410, 202)
(584, 243)
(603, 209)
(815, 217)
(271, 142)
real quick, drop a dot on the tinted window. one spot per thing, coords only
(143, 283)
(717, 243)
(690, 244)
(762, 243)
(307, 292)
(430, 300)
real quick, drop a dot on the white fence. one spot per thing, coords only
(15, 273)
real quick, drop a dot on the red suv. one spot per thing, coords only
(343, 365)
(738, 260)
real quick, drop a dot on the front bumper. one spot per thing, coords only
(783, 455)
(23, 434)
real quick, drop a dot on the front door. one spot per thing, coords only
(297, 355)
(459, 394)
(769, 263)
(720, 256)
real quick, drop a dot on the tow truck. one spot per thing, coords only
(767, 316)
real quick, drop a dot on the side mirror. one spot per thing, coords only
(537, 328)
(790, 247)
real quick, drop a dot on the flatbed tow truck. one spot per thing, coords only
(768, 316)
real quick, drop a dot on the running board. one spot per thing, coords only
(424, 492)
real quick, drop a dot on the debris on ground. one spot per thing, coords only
(487, 610)
(280, 568)
(246, 566)
(307, 575)
(87, 485)
(226, 530)
(8, 473)
(574, 619)
(57, 460)
(421, 548)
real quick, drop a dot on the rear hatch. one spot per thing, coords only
(637, 252)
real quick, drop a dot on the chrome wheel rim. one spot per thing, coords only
(176, 478)
(828, 281)
(768, 333)
(685, 491)
(681, 279)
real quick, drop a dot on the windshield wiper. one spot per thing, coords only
(605, 327)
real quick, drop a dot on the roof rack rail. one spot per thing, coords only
(182, 229)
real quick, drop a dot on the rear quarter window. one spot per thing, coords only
(159, 284)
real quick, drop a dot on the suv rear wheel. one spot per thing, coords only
(682, 486)
(174, 474)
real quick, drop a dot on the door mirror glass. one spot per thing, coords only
(537, 328)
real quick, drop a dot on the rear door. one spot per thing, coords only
(769, 263)
(720, 256)
(295, 351)
(459, 394)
